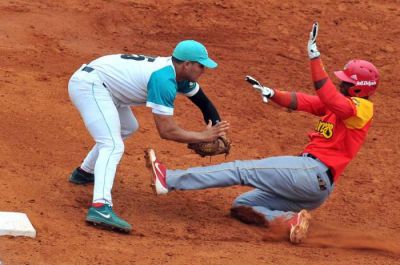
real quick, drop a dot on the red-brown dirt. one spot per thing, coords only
(42, 138)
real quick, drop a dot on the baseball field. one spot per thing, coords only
(43, 139)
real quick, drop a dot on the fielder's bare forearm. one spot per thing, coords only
(169, 130)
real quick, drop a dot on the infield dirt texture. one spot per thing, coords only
(42, 138)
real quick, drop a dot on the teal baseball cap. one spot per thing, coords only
(191, 50)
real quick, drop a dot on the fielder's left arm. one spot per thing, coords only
(206, 106)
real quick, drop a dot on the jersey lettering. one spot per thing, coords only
(325, 128)
(137, 57)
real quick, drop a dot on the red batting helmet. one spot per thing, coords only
(363, 75)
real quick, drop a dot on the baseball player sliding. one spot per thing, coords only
(103, 92)
(285, 187)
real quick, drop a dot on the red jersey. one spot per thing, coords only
(342, 128)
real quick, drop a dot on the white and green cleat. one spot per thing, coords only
(105, 217)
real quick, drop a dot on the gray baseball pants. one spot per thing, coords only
(283, 185)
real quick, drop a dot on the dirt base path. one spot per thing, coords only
(43, 139)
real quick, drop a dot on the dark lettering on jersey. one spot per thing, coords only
(137, 57)
(325, 128)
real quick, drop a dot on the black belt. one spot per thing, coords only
(87, 69)
(328, 172)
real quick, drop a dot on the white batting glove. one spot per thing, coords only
(312, 42)
(266, 92)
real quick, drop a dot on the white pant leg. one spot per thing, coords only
(101, 118)
(129, 125)
(89, 162)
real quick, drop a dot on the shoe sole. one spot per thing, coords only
(299, 232)
(149, 164)
(102, 224)
(147, 157)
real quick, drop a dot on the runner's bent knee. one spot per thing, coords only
(242, 201)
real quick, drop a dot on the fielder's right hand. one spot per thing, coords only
(211, 133)
(312, 42)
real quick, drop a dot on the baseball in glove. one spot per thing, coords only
(220, 146)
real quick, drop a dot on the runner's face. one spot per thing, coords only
(344, 88)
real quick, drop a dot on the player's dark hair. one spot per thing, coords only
(175, 60)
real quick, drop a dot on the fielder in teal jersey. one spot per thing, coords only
(104, 90)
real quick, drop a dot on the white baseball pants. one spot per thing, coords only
(108, 123)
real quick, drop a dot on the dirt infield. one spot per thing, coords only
(42, 139)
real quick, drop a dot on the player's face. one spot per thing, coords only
(344, 88)
(194, 71)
